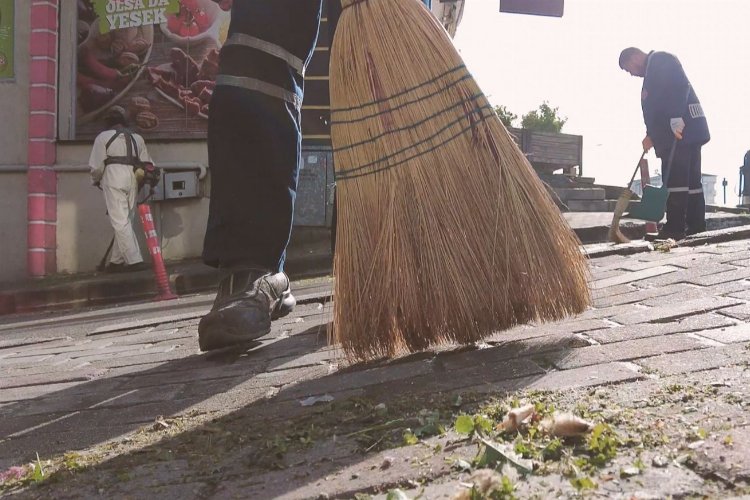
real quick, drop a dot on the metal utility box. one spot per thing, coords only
(314, 205)
(178, 185)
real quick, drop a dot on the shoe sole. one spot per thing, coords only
(213, 335)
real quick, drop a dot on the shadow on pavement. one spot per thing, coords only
(261, 421)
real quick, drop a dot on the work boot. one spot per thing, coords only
(245, 304)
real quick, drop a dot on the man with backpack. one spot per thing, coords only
(116, 158)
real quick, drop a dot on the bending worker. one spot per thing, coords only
(112, 164)
(676, 128)
(254, 151)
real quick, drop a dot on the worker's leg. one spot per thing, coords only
(254, 146)
(677, 184)
(696, 207)
(120, 207)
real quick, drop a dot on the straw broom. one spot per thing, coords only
(445, 233)
(615, 235)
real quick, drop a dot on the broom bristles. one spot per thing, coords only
(615, 235)
(445, 233)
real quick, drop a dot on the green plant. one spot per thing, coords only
(545, 119)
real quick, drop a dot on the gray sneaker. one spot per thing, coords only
(245, 304)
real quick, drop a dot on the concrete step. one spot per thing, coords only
(591, 205)
(567, 194)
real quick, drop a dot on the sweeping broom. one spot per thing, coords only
(615, 235)
(445, 233)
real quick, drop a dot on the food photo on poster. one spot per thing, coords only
(158, 59)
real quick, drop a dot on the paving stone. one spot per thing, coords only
(693, 361)
(9, 343)
(23, 449)
(359, 379)
(728, 335)
(62, 402)
(739, 262)
(687, 275)
(611, 291)
(545, 329)
(621, 351)
(155, 337)
(585, 377)
(743, 292)
(85, 346)
(650, 296)
(741, 312)
(683, 260)
(55, 377)
(634, 276)
(687, 324)
(142, 358)
(323, 357)
(12, 361)
(610, 312)
(34, 391)
(691, 291)
(725, 277)
(598, 275)
(31, 370)
(672, 312)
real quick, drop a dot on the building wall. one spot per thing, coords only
(14, 104)
(12, 226)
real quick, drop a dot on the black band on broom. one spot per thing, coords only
(445, 234)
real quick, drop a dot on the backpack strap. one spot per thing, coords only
(130, 144)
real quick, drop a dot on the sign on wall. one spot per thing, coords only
(157, 59)
(6, 39)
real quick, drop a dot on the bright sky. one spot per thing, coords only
(572, 62)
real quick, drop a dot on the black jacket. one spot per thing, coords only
(290, 24)
(667, 94)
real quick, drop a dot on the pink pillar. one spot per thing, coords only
(41, 177)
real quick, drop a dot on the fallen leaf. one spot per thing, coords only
(566, 425)
(516, 417)
(495, 452)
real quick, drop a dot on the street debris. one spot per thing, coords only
(517, 417)
(565, 425)
(313, 400)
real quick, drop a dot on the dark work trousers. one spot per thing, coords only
(254, 147)
(686, 206)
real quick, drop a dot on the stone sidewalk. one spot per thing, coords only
(131, 409)
(309, 255)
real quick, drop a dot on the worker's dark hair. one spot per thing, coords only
(626, 54)
(116, 115)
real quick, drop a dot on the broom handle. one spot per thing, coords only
(637, 167)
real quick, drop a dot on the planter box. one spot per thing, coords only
(548, 152)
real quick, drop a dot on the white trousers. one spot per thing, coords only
(120, 188)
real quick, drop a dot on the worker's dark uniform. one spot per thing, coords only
(667, 94)
(255, 134)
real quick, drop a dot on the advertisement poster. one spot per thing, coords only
(6, 39)
(157, 59)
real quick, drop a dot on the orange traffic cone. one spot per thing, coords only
(160, 272)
